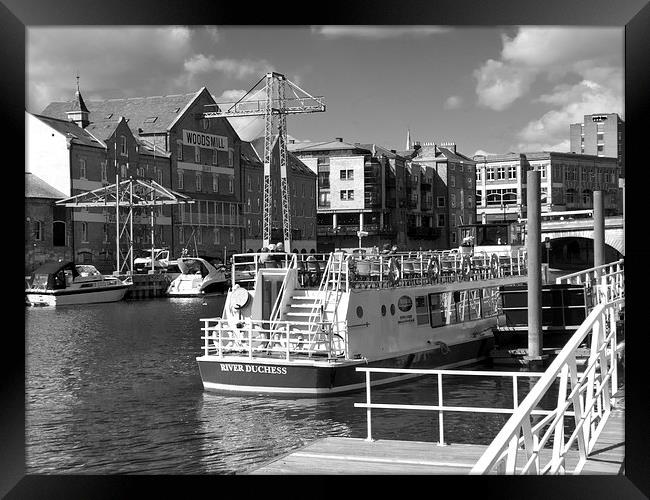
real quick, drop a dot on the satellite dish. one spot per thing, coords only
(239, 297)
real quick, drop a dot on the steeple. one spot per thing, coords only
(408, 139)
(79, 112)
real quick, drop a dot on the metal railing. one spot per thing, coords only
(602, 283)
(590, 392)
(288, 339)
(441, 408)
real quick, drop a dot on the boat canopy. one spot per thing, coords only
(54, 267)
(195, 265)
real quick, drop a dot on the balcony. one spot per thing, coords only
(351, 230)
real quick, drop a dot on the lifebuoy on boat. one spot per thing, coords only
(433, 268)
(494, 266)
(444, 348)
(394, 271)
(466, 266)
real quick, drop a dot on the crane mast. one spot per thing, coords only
(274, 107)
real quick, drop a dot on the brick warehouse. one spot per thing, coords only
(166, 139)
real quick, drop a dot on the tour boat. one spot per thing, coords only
(197, 278)
(299, 325)
(64, 283)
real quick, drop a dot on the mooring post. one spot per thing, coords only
(599, 230)
(533, 247)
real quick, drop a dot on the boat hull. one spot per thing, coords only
(297, 378)
(72, 297)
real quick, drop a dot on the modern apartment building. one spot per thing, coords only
(600, 135)
(567, 183)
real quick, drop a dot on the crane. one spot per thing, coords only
(274, 107)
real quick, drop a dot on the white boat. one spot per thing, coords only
(59, 283)
(198, 277)
(301, 327)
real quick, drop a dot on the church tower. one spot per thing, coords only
(79, 112)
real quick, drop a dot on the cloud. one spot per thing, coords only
(377, 32)
(453, 102)
(583, 65)
(239, 69)
(480, 152)
(100, 55)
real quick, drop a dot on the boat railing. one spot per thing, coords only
(602, 283)
(275, 312)
(246, 266)
(287, 339)
(588, 403)
(418, 268)
(441, 408)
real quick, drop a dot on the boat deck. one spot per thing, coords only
(336, 455)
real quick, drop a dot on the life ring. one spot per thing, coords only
(466, 266)
(494, 266)
(394, 271)
(433, 268)
(444, 348)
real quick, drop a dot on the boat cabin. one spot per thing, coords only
(59, 275)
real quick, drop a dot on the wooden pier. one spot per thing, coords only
(338, 456)
(146, 286)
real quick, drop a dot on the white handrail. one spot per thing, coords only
(590, 394)
(592, 273)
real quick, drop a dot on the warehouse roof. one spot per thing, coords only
(35, 187)
(72, 131)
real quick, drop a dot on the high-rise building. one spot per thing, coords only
(600, 135)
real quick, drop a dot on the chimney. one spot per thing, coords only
(339, 139)
(292, 141)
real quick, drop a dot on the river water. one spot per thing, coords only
(115, 388)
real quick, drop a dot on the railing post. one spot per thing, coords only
(368, 409)
(441, 418)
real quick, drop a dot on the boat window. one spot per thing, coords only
(421, 310)
(359, 312)
(383, 310)
(392, 309)
(436, 310)
(490, 301)
(405, 303)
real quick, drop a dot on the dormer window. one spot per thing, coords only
(123, 145)
(151, 119)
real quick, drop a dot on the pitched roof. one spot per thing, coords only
(71, 130)
(322, 146)
(78, 103)
(450, 155)
(35, 187)
(293, 162)
(151, 114)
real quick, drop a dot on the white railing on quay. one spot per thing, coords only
(253, 338)
(441, 408)
(602, 283)
(590, 397)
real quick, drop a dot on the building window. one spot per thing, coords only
(215, 183)
(180, 180)
(347, 175)
(105, 233)
(230, 157)
(199, 183)
(452, 200)
(469, 182)
(123, 145)
(501, 173)
(347, 194)
(512, 172)
(542, 170)
(197, 154)
(479, 174)
(82, 168)
(199, 235)
(469, 202)
(233, 214)
(216, 236)
(230, 185)
(441, 201)
(490, 173)
(160, 176)
(232, 236)
(179, 151)
(479, 197)
(441, 220)
(124, 171)
(453, 237)
(214, 156)
(181, 235)
(84, 232)
(601, 148)
(104, 171)
(249, 182)
(37, 230)
(452, 181)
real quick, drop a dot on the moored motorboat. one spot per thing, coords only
(197, 278)
(64, 283)
(301, 327)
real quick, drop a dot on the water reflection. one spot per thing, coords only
(114, 388)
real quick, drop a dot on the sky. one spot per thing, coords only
(491, 90)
